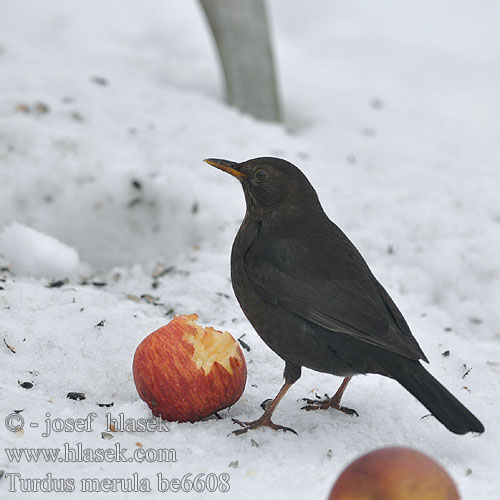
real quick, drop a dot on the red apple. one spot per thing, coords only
(186, 372)
(394, 474)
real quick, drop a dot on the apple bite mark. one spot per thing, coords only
(211, 346)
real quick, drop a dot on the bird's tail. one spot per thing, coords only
(436, 398)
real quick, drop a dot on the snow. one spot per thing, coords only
(106, 111)
(32, 253)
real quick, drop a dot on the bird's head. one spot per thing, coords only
(270, 184)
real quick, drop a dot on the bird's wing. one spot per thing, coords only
(334, 290)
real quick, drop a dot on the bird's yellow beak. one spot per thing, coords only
(230, 167)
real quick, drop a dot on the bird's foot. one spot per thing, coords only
(327, 402)
(263, 421)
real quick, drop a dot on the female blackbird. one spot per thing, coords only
(312, 299)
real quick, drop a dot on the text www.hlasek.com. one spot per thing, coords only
(78, 453)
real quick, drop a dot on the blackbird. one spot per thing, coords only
(312, 298)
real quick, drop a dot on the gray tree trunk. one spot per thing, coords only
(240, 30)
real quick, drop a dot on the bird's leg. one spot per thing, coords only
(265, 419)
(292, 374)
(333, 402)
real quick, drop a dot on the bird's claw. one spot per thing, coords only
(317, 401)
(261, 422)
(310, 407)
(348, 411)
(324, 404)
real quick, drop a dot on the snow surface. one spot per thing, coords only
(32, 253)
(106, 111)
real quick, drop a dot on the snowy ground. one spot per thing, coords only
(106, 111)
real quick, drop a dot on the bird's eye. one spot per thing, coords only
(261, 175)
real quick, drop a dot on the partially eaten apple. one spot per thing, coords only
(185, 372)
(395, 473)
